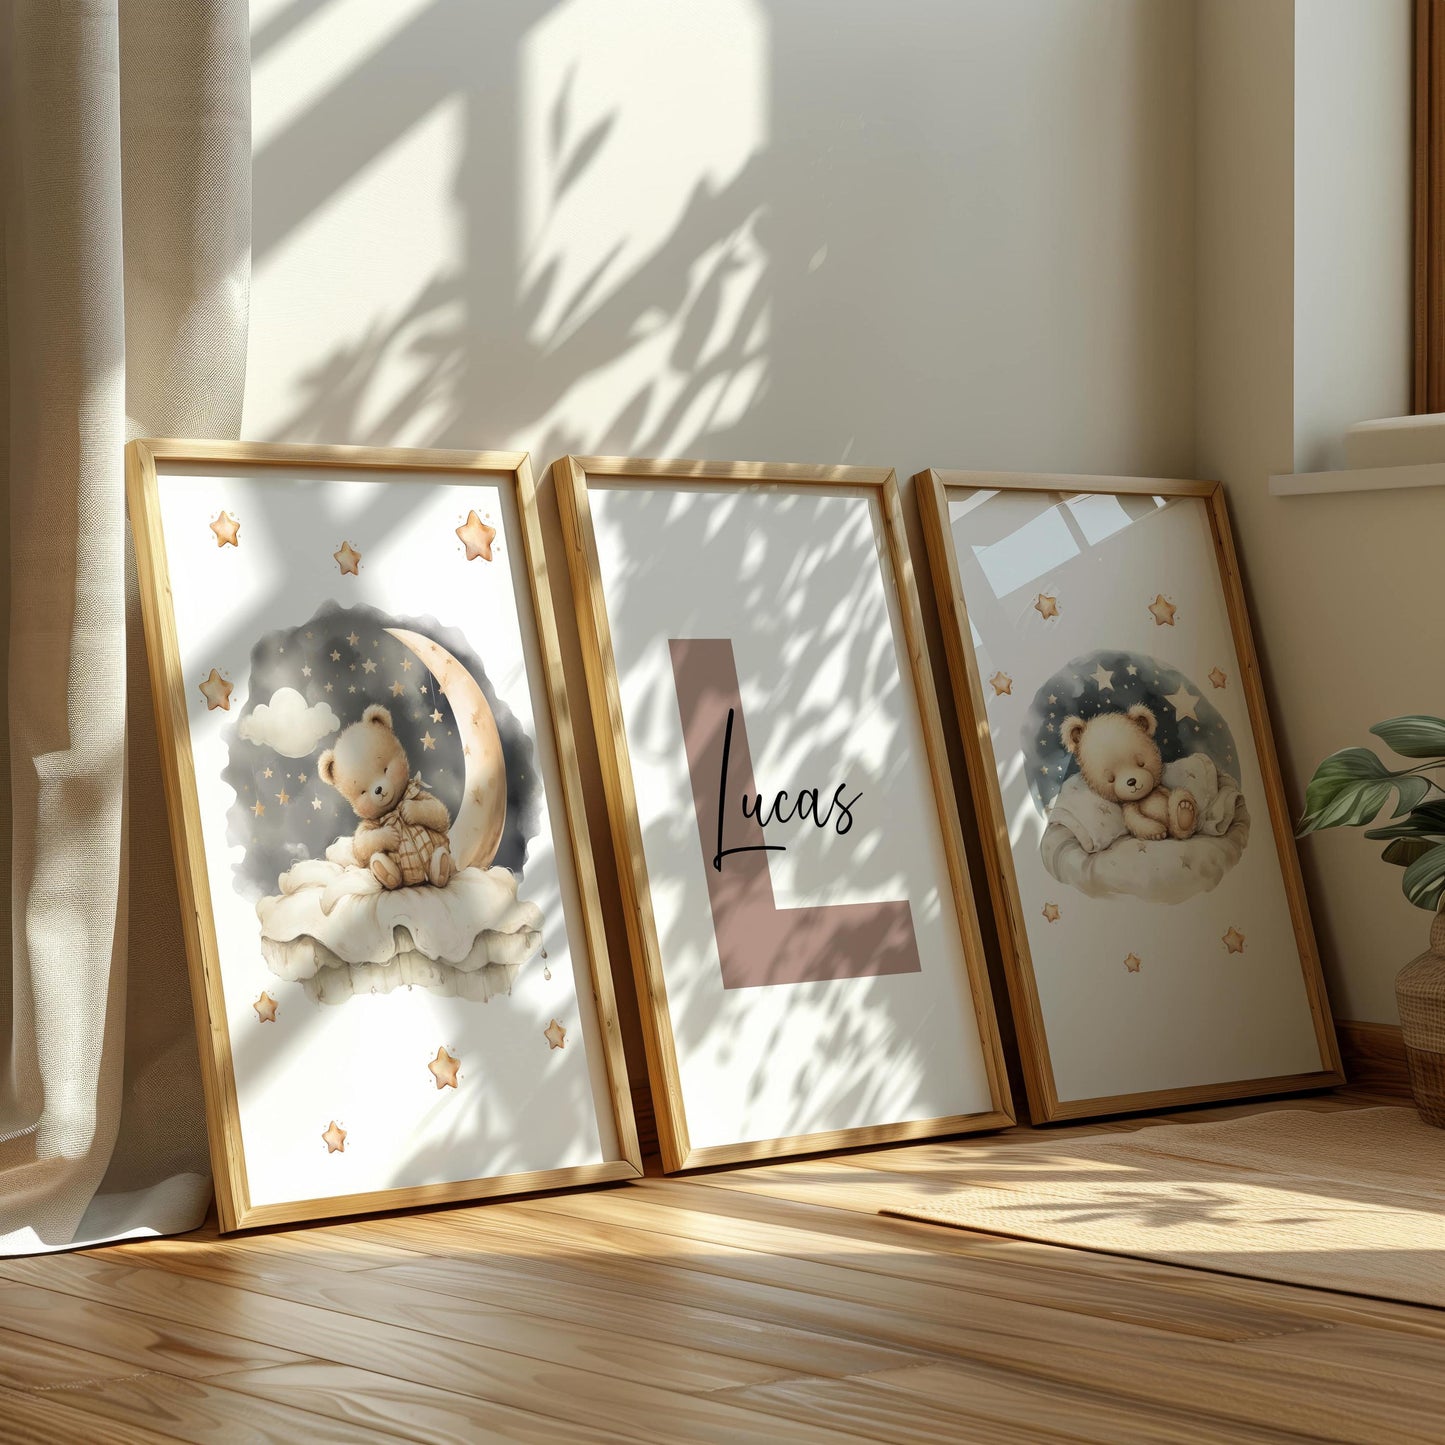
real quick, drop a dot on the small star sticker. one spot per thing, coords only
(1001, 683)
(347, 558)
(1133, 671)
(217, 692)
(265, 1007)
(283, 797)
(1133, 962)
(397, 689)
(1218, 678)
(1046, 606)
(336, 657)
(1183, 702)
(444, 1070)
(315, 803)
(476, 536)
(225, 527)
(300, 777)
(428, 742)
(266, 772)
(1051, 912)
(555, 1035)
(353, 639)
(335, 1137)
(1162, 611)
(368, 666)
(436, 714)
(1234, 940)
(1102, 679)
(1052, 698)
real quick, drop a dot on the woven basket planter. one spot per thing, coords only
(1420, 990)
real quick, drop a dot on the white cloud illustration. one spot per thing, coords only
(288, 725)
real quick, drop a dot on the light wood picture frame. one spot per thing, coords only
(1144, 973)
(718, 600)
(392, 1008)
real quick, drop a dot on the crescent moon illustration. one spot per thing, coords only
(476, 831)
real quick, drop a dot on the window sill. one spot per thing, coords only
(1360, 479)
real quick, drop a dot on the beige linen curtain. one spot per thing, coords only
(125, 137)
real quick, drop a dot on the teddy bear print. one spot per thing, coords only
(403, 833)
(1121, 762)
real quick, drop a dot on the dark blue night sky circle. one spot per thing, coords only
(1073, 691)
(287, 832)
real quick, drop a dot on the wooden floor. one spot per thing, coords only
(768, 1303)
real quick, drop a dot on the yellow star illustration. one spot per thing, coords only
(1183, 702)
(335, 656)
(266, 772)
(300, 777)
(436, 714)
(306, 670)
(476, 536)
(555, 1035)
(406, 664)
(265, 1007)
(347, 558)
(1051, 912)
(353, 639)
(225, 527)
(217, 692)
(335, 1137)
(1133, 962)
(397, 689)
(283, 797)
(368, 666)
(316, 803)
(1046, 606)
(1001, 683)
(428, 742)
(1163, 611)
(1218, 677)
(1102, 679)
(1234, 940)
(328, 687)
(260, 809)
(444, 1070)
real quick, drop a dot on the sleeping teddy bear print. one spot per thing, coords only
(1135, 776)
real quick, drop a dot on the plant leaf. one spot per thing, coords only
(1349, 787)
(1424, 879)
(1412, 793)
(1404, 851)
(1414, 736)
(1426, 821)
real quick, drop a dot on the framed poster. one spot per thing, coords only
(396, 953)
(807, 954)
(1141, 861)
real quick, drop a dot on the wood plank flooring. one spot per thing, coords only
(768, 1303)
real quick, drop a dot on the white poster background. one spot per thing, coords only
(792, 577)
(1194, 1013)
(520, 1105)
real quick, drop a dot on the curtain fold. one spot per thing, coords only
(126, 134)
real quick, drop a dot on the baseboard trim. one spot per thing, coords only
(1374, 1057)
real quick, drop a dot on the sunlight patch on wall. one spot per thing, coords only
(355, 313)
(322, 48)
(638, 234)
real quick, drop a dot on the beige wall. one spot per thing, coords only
(827, 230)
(1342, 587)
(936, 234)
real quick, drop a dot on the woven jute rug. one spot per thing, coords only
(1349, 1200)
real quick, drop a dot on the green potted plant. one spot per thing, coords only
(1352, 788)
